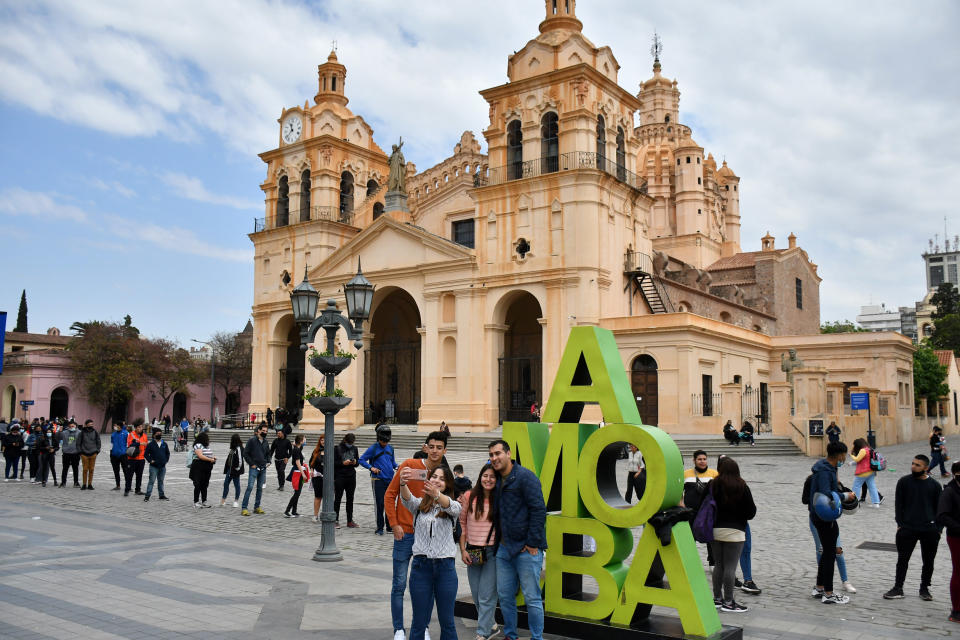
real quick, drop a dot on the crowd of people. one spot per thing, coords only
(496, 525)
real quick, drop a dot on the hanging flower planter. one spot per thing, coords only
(329, 365)
(329, 404)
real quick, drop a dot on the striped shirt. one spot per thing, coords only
(433, 536)
(477, 532)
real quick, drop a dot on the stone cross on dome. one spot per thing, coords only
(655, 50)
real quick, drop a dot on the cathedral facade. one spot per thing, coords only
(591, 206)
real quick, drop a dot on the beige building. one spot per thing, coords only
(592, 206)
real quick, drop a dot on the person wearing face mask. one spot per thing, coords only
(89, 446)
(47, 446)
(477, 548)
(157, 455)
(433, 574)
(70, 453)
(915, 510)
(136, 444)
(824, 480)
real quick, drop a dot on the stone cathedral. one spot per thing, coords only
(592, 205)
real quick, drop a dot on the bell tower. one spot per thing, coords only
(331, 77)
(561, 14)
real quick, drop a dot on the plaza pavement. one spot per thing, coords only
(80, 564)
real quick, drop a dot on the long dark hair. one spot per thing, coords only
(202, 439)
(478, 495)
(235, 441)
(426, 504)
(858, 444)
(728, 487)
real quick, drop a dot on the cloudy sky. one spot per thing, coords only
(130, 130)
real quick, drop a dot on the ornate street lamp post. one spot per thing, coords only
(304, 299)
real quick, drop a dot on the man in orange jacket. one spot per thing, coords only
(135, 462)
(402, 521)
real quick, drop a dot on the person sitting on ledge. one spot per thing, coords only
(746, 433)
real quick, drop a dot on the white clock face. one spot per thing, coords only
(292, 127)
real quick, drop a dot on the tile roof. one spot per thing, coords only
(736, 261)
(16, 337)
(944, 357)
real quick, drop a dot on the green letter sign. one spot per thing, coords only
(576, 466)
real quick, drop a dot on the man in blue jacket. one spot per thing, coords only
(824, 480)
(118, 451)
(379, 459)
(522, 536)
(157, 454)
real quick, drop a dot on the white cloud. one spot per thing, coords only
(173, 239)
(16, 201)
(837, 116)
(113, 185)
(192, 188)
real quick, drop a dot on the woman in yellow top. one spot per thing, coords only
(864, 473)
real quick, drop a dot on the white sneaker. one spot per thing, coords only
(835, 598)
(235, 504)
(399, 635)
(875, 506)
(426, 634)
(849, 587)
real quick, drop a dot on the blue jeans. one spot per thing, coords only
(226, 486)
(402, 551)
(433, 580)
(11, 464)
(253, 480)
(936, 458)
(379, 491)
(871, 481)
(841, 563)
(156, 475)
(523, 571)
(745, 565)
(483, 589)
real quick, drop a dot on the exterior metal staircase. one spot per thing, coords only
(638, 267)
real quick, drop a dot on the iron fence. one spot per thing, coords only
(556, 164)
(706, 404)
(317, 212)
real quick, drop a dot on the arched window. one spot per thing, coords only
(59, 403)
(377, 210)
(346, 195)
(666, 118)
(621, 155)
(601, 142)
(283, 203)
(372, 187)
(304, 196)
(514, 150)
(549, 146)
(333, 83)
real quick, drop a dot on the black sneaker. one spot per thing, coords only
(717, 602)
(925, 594)
(737, 584)
(733, 607)
(817, 592)
(894, 594)
(146, 498)
(287, 515)
(750, 587)
(163, 498)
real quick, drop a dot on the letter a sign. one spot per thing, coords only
(576, 463)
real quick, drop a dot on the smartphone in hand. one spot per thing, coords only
(419, 474)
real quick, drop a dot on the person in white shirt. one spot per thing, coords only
(636, 474)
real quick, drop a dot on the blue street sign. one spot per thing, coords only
(860, 401)
(26, 403)
(3, 331)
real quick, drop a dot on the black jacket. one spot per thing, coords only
(256, 453)
(345, 452)
(733, 514)
(281, 448)
(89, 443)
(948, 508)
(916, 503)
(12, 444)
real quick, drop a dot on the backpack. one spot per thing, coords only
(805, 498)
(706, 517)
(877, 461)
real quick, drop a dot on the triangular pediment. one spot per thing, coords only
(388, 245)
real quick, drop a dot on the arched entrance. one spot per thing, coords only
(643, 381)
(520, 365)
(392, 365)
(117, 412)
(232, 403)
(292, 376)
(179, 406)
(59, 403)
(10, 403)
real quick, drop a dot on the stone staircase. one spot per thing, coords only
(406, 439)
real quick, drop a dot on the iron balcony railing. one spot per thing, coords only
(556, 164)
(295, 217)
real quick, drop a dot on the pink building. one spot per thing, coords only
(36, 368)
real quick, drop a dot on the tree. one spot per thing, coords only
(929, 375)
(234, 361)
(22, 314)
(840, 326)
(946, 300)
(946, 333)
(168, 369)
(79, 329)
(107, 364)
